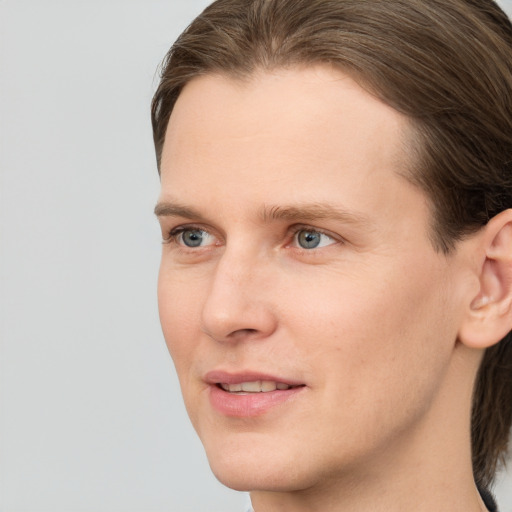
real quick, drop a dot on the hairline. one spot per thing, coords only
(411, 143)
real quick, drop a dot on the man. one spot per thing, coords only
(336, 277)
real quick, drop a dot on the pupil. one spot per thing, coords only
(309, 239)
(192, 238)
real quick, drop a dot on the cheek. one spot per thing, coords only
(382, 340)
(178, 305)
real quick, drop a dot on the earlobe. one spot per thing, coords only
(489, 316)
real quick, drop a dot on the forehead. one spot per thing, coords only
(280, 136)
(297, 105)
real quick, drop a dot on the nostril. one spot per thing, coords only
(225, 319)
(243, 333)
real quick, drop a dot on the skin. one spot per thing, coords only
(368, 321)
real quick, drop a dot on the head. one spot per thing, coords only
(444, 68)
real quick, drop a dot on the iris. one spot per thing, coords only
(309, 239)
(193, 237)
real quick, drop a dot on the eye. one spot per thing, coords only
(312, 239)
(192, 237)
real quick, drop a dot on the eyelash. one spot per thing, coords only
(298, 228)
(292, 233)
(174, 233)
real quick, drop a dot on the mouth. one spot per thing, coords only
(249, 394)
(255, 386)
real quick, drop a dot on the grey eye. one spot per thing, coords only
(309, 239)
(194, 237)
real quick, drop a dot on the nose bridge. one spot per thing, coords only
(237, 302)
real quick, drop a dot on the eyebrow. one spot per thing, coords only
(168, 209)
(305, 212)
(312, 212)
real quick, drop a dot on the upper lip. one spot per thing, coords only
(224, 377)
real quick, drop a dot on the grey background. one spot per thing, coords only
(91, 418)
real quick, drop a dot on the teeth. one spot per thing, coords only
(252, 387)
(233, 388)
(267, 385)
(257, 386)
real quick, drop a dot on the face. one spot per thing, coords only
(309, 318)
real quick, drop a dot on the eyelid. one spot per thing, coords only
(293, 231)
(297, 228)
(175, 232)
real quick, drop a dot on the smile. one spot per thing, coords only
(249, 394)
(257, 386)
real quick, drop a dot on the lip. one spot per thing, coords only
(252, 404)
(220, 376)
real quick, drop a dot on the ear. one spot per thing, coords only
(489, 315)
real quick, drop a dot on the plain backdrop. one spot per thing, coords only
(91, 415)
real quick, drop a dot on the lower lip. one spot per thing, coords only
(251, 404)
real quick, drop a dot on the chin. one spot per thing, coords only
(238, 481)
(255, 477)
(258, 466)
(238, 466)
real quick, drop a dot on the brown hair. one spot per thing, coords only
(446, 64)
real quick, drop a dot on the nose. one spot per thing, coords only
(238, 305)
